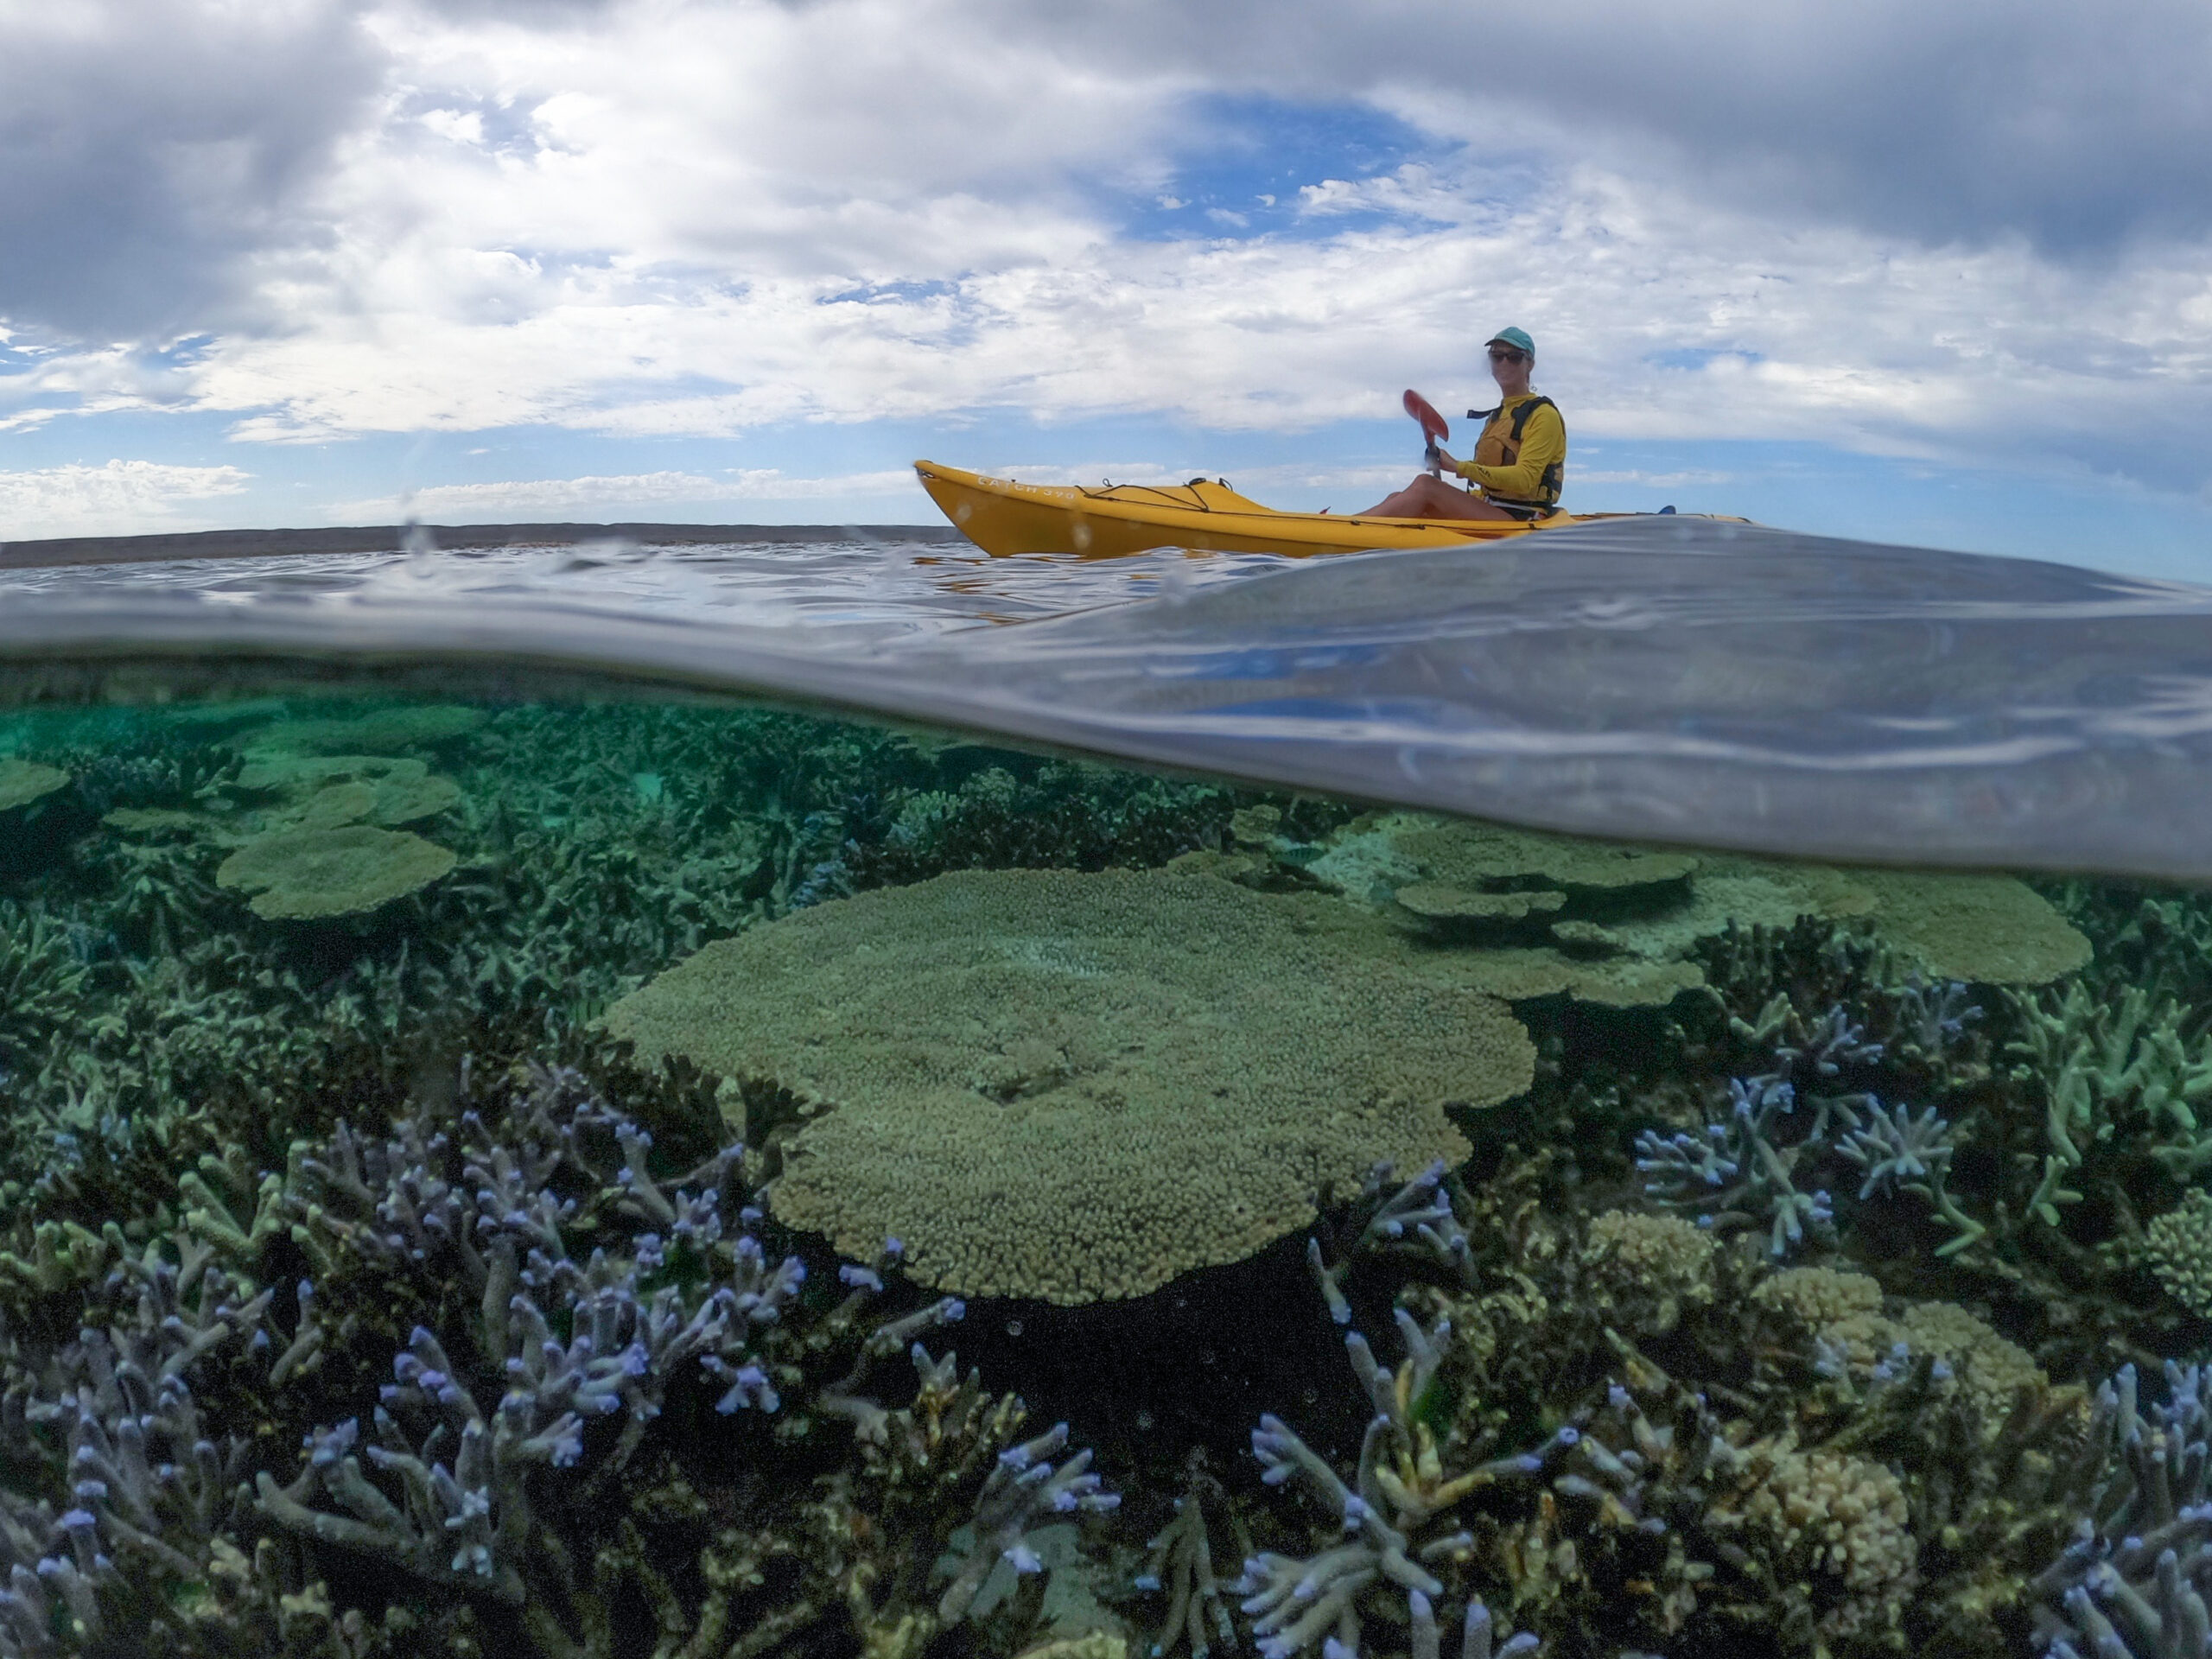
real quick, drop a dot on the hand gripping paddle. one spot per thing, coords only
(1434, 430)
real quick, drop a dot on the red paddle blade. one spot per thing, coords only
(1431, 423)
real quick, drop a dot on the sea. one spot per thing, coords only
(1642, 1090)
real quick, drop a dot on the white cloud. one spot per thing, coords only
(80, 500)
(666, 218)
(1656, 481)
(148, 153)
(521, 501)
(2081, 128)
(1834, 336)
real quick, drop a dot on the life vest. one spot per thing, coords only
(1500, 445)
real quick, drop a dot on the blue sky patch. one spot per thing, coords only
(1242, 174)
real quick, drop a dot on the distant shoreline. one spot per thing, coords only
(376, 539)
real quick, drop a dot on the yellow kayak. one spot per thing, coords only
(1004, 517)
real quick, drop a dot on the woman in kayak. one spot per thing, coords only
(1520, 461)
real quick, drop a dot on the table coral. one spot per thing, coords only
(1077, 1086)
(305, 874)
(382, 731)
(399, 797)
(23, 781)
(1989, 930)
(1618, 925)
(1461, 853)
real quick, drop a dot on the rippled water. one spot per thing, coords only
(864, 1100)
(1712, 683)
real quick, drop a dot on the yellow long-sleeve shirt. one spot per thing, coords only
(1530, 473)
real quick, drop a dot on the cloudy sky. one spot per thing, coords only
(1925, 273)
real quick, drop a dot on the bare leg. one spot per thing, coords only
(1431, 498)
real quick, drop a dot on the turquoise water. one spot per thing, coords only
(857, 1101)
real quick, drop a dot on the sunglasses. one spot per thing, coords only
(1506, 354)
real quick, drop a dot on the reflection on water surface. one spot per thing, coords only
(642, 1173)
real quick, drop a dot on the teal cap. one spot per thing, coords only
(1512, 337)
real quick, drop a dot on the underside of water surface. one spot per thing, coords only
(550, 1166)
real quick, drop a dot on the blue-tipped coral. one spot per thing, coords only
(1766, 1165)
(1180, 1566)
(148, 1482)
(1417, 1217)
(2133, 1582)
(565, 1297)
(1395, 1514)
(1742, 1171)
(1023, 1491)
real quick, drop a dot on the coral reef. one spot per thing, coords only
(362, 1294)
(1075, 1086)
(678, 1355)
(1748, 1165)
(2179, 1247)
(1761, 1485)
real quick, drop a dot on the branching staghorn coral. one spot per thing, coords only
(1768, 981)
(1741, 1171)
(41, 983)
(149, 1480)
(2134, 1580)
(1416, 1217)
(1180, 1565)
(1910, 1154)
(1771, 1484)
(577, 1292)
(1750, 1168)
(2138, 1066)
(1020, 1492)
(1745, 1169)
(501, 1227)
(1394, 1513)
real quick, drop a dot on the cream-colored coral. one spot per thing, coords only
(1647, 1270)
(1819, 1297)
(2179, 1245)
(1993, 1373)
(1075, 1086)
(1840, 1519)
(1845, 1310)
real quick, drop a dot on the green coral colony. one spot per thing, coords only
(677, 1179)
